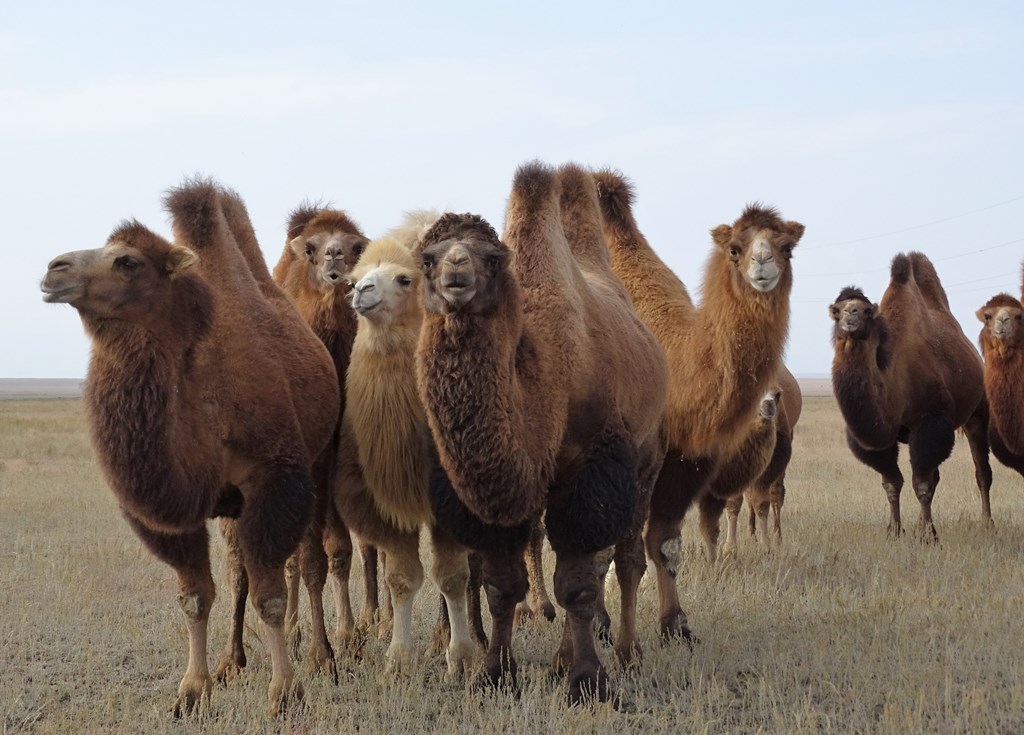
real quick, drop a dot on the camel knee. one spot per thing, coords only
(272, 610)
(925, 491)
(196, 606)
(403, 582)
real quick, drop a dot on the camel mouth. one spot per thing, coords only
(363, 308)
(849, 324)
(458, 295)
(64, 295)
(763, 284)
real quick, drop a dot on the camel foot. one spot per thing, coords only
(674, 625)
(284, 694)
(547, 610)
(603, 627)
(561, 662)
(439, 641)
(728, 550)
(629, 653)
(461, 659)
(384, 627)
(894, 530)
(501, 678)
(294, 638)
(192, 693)
(401, 660)
(588, 687)
(320, 660)
(927, 534)
(229, 667)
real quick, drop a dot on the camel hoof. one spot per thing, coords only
(585, 689)
(282, 696)
(192, 693)
(401, 660)
(498, 678)
(461, 659)
(603, 627)
(728, 550)
(320, 660)
(294, 638)
(629, 654)
(229, 668)
(547, 609)
(674, 626)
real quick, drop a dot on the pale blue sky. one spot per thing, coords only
(880, 128)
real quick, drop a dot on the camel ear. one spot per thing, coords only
(795, 230)
(870, 310)
(300, 248)
(982, 316)
(833, 311)
(722, 235)
(179, 260)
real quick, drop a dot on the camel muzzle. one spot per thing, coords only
(59, 286)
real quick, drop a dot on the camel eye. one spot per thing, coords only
(787, 251)
(404, 280)
(358, 250)
(734, 252)
(988, 317)
(309, 250)
(126, 263)
(428, 261)
(493, 261)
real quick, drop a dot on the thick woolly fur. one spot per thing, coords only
(1004, 370)
(905, 371)
(724, 354)
(518, 392)
(205, 387)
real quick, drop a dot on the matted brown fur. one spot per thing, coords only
(905, 371)
(1004, 370)
(206, 394)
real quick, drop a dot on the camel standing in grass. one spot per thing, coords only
(387, 453)
(905, 372)
(723, 357)
(769, 490)
(544, 394)
(205, 398)
(1002, 344)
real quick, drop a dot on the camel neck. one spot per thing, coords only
(859, 383)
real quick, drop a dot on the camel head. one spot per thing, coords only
(330, 243)
(1001, 318)
(385, 283)
(463, 264)
(769, 407)
(853, 314)
(128, 279)
(759, 246)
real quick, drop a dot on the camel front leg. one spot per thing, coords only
(189, 554)
(451, 574)
(576, 591)
(886, 463)
(504, 573)
(630, 565)
(404, 576)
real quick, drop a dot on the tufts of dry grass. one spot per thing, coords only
(840, 630)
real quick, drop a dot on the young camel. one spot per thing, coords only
(1002, 344)
(387, 453)
(544, 393)
(183, 430)
(905, 372)
(723, 356)
(769, 490)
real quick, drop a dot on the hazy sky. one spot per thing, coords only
(881, 126)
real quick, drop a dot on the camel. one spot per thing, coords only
(387, 452)
(183, 427)
(738, 471)
(769, 490)
(1001, 339)
(544, 395)
(723, 356)
(904, 372)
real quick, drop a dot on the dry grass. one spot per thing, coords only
(842, 630)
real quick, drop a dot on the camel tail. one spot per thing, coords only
(901, 269)
(194, 207)
(928, 279)
(581, 216)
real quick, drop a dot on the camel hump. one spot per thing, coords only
(928, 279)
(413, 228)
(240, 225)
(581, 217)
(615, 195)
(533, 190)
(901, 270)
(194, 207)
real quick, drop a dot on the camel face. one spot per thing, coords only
(121, 280)
(331, 255)
(853, 316)
(769, 407)
(461, 273)
(385, 288)
(1002, 318)
(760, 245)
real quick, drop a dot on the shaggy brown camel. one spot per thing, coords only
(182, 429)
(769, 490)
(905, 372)
(544, 393)
(723, 356)
(1001, 341)
(738, 471)
(387, 452)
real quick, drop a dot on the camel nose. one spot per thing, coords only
(365, 286)
(458, 259)
(60, 263)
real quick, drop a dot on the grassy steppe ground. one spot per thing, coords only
(840, 630)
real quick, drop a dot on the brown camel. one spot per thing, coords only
(769, 490)
(723, 356)
(1002, 344)
(544, 393)
(387, 452)
(905, 372)
(183, 428)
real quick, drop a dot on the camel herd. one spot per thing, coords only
(556, 380)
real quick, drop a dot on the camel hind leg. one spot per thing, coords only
(537, 602)
(931, 443)
(886, 463)
(976, 430)
(338, 547)
(711, 507)
(233, 660)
